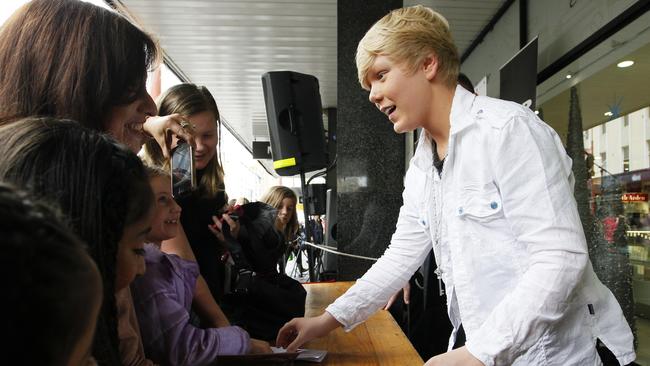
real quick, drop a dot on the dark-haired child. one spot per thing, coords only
(52, 290)
(102, 189)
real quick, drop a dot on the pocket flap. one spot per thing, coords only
(480, 201)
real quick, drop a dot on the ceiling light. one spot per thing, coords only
(568, 76)
(626, 63)
(609, 114)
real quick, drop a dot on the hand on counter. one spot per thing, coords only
(299, 331)
(458, 357)
(407, 296)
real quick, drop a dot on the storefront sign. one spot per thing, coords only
(634, 197)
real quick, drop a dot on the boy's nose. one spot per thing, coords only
(374, 96)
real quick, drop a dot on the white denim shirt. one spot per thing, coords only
(508, 241)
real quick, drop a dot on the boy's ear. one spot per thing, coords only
(430, 66)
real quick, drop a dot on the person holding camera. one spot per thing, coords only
(199, 109)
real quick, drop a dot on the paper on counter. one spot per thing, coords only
(309, 355)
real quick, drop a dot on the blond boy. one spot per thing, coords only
(490, 188)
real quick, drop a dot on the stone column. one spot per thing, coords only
(370, 166)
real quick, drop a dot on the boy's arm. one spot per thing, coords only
(407, 250)
(409, 245)
(533, 173)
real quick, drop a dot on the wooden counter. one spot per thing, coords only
(378, 341)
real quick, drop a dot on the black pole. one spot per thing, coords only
(305, 210)
(523, 23)
(295, 128)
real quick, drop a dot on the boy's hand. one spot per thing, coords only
(299, 331)
(458, 357)
(259, 347)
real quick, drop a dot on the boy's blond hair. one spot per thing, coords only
(409, 35)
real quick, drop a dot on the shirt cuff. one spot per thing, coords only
(233, 341)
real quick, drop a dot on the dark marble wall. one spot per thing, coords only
(370, 166)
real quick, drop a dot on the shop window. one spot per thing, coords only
(620, 191)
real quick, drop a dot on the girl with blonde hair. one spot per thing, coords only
(197, 106)
(284, 200)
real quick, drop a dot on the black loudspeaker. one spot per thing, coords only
(294, 115)
(261, 150)
(317, 198)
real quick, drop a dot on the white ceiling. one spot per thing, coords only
(227, 45)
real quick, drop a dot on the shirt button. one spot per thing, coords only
(460, 210)
(423, 222)
(480, 111)
(494, 205)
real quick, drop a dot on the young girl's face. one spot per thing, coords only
(206, 138)
(130, 251)
(285, 212)
(167, 213)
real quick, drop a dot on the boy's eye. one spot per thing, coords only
(381, 74)
(139, 251)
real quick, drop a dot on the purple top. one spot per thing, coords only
(163, 298)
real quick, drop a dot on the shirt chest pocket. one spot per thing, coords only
(480, 203)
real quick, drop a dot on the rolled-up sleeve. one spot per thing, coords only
(407, 250)
(533, 174)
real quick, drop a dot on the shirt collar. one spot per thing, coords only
(461, 114)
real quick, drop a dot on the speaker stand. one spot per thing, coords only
(308, 233)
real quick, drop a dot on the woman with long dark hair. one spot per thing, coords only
(72, 59)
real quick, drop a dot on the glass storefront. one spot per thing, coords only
(614, 99)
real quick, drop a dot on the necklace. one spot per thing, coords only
(437, 224)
